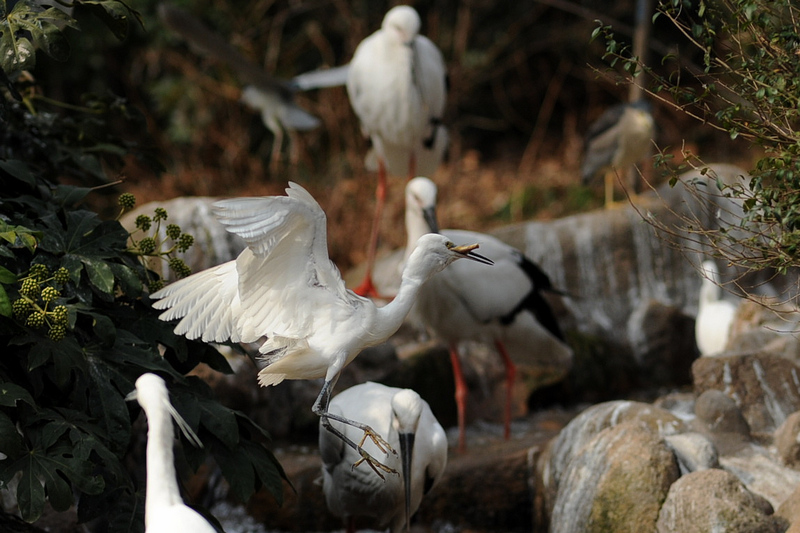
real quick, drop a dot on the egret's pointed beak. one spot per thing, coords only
(467, 251)
(131, 396)
(406, 453)
(429, 214)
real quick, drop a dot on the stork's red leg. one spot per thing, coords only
(367, 288)
(461, 397)
(412, 166)
(511, 374)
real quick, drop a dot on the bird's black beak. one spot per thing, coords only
(406, 453)
(467, 251)
(429, 213)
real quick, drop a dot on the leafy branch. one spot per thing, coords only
(747, 87)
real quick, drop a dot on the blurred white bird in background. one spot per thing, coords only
(714, 315)
(284, 287)
(502, 305)
(398, 89)
(272, 97)
(164, 510)
(616, 141)
(406, 422)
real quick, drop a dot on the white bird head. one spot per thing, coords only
(710, 270)
(151, 393)
(407, 408)
(402, 21)
(434, 252)
(421, 207)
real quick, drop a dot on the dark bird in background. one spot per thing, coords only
(616, 141)
(271, 96)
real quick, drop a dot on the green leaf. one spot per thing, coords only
(100, 274)
(66, 355)
(6, 276)
(11, 442)
(30, 492)
(11, 393)
(114, 14)
(106, 403)
(18, 169)
(129, 282)
(267, 468)
(5, 303)
(215, 417)
(48, 38)
(19, 236)
(69, 195)
(18, 53)
(43, 470)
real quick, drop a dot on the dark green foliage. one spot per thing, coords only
(746, 85)
(74, 313)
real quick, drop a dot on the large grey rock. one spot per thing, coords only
(787, 441)
(612, 261)
(764, 386)
(558, 457)
(715, 500)
(762, 473)
(663, 345)
(616, 482)
(693, 451)
(768, 325)
(719, 413)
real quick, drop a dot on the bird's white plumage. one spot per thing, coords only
(276, 112)
(466, 301)
(390, 411)
(397, 86)
(321, 78)
(285, 267)
(489, 305)
(714, 315)
(284, 287)
(165, 511)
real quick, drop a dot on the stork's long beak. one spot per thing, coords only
(429, 214)
(467, 251)
(406, 453)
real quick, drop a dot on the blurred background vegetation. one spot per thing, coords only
(526, 81)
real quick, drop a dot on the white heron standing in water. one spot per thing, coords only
(407, 423)
(503, 305)
(714, 315)
(164, 510)
(397, 87)
(284, 287)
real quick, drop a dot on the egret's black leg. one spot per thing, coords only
(321, 409)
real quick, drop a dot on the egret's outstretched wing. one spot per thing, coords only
(206, 302)
(285, 274)
(276, 283)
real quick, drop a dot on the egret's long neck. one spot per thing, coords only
(391, 315)
(162, 487)
(416, 227)
(709, 291)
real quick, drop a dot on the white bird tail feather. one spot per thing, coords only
(265, 379)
